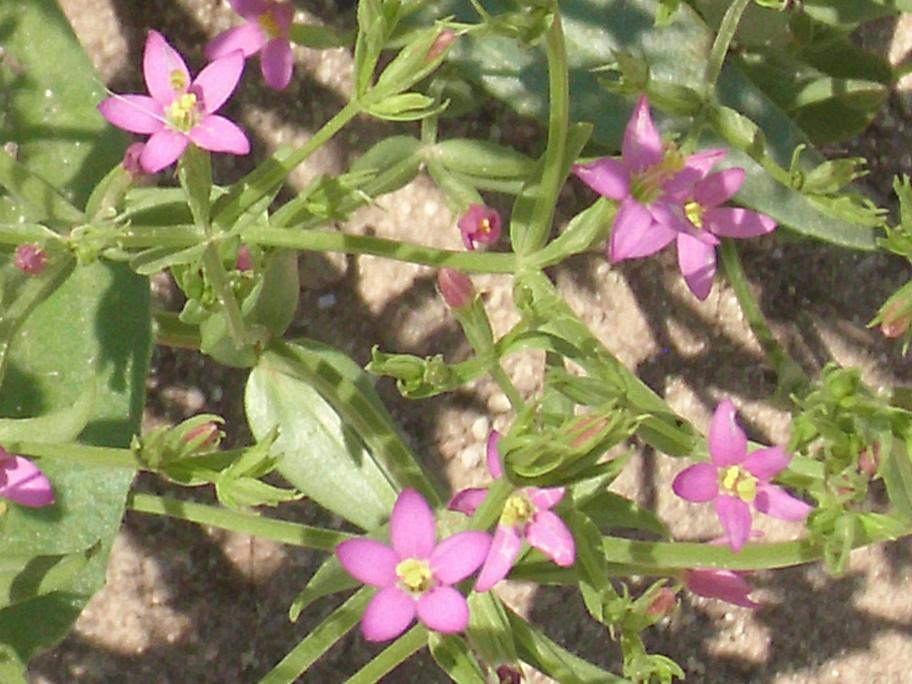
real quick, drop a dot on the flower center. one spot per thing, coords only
(646, 186)
(183, 113)
(269, 25)
(517, 510)
(414, 575)
(736, 481)
(694, 212)
(178, 80)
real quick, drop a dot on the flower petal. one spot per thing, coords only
(735, 517)
(642, 145)
(412, 526)
(163, 68)
(218, 134)
(766, 463)
(162, 149)
(727, 441)
(248, 38)
(249, 9)
(720, 584)
(277, 63)
(719, 187)
(504, 550)
(387, 614)
(548, 533)
(218, 80)
(467, 500)
(443, 609)
(697, 261)
(544, 499)
(457, 557)
(737, 223)
(134, 113)
(23, 482)
(698, 483)
(777, 503)
(608, 177)
(635, 234)
(368, 561)
(493, 455)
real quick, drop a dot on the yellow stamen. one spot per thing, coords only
(414, 575)
(517, 510)
(736, 481)
(269, 25)
(178, 80)
(183, 113)
(646, 186)
(694, 212)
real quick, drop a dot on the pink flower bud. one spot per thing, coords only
(869, 460)
(479, 224)
(663, 604)
(131, 160)
(440, 45)
(207, 433)
(455, 287)
(507, 674)
(243, 262)
(896, 318)
(30, 259)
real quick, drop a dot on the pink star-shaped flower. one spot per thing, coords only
(415, 575)
(734, 480)
(178, 111)
(479, 224)
(725, 585)
(266, 32)
(526, 515)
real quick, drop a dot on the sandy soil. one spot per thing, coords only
(187, 604)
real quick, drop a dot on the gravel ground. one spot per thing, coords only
(188, 604)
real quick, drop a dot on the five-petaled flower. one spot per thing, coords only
(178, 111)
(735, 479)
(665, 196)
(414, 576)
(526, 514)
(22, 482)
(266, 32)
(479, 224)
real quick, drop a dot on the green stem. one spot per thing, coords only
(170, 331)
(177, 235)
(791, 378)
(392, 656)
(506, 385)
(724, 37)
(558, 123)
(107, 457)
(214, 268)
(294, 534)
(333, 241)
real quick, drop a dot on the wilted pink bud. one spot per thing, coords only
(30, 259)
(440, 45)
(507, 674)
(663, 604)
(869, 460)
(479, 224)
(243, 262)
(455, 288)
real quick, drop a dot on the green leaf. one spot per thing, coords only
(62, 425)
(454, 657)
(897, 476)
(611, 511)
(329, 579)
(26, 577)
(489, 629)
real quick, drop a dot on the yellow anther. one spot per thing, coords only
(183, 114)
(694, 212)
(414, 575)
(738, 482)
(178, 80)
(517, 510)
(269, 25)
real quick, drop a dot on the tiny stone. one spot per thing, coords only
(326, 301)
(480, 428)
(499, 403)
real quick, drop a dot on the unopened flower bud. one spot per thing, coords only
(663, 604)
(207, 434)
(30, 259)
(131, 160)
(586, 429)
(455, 287)
(440, 45)
(479, 224)
(244, 261)
(896, 319)
(869, 460)
(507, 674)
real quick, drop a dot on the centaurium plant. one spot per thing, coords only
(265, 31)
(734, 480)
(178, 111)
(415, 575)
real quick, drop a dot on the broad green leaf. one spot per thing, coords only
(612, 511)
(26, 577)
(897, 476)
(489, 629)
(62, 425)
(92, 335)
(329, 578)
(454, 657)
(319, 454)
